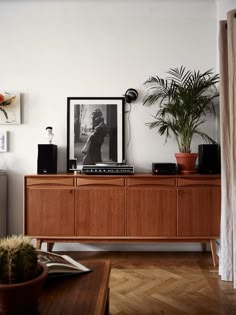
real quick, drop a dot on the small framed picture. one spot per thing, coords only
(3, 141)
(95, 131)
(10, 108)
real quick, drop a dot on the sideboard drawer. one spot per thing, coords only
(198, 181)
(154, 181)
(102, 181)
(60, 181)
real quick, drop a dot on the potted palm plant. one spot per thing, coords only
(185, 97)
(21, 275)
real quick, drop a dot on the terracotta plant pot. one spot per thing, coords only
(186, 162)
(22, 298)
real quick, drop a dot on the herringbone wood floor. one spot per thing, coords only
(150, 283)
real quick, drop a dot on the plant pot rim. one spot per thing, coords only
(179, 154)
(42, 275)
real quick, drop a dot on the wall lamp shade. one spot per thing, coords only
(131, 95)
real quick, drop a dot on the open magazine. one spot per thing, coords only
(61, 264)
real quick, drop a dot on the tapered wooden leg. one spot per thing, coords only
(203, 247)
(107, 312)
(50, 247)
(213, 252)
(38, 243)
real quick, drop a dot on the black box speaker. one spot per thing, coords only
(47, 159)
(209, 159)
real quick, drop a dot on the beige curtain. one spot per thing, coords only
(227, 46)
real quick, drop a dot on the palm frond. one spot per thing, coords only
(205, 136)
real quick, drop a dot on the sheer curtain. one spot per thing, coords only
(227, 47)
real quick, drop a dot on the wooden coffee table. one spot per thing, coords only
(84, 294)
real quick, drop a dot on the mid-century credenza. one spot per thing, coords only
(123, 208)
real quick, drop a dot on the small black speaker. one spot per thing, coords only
(47, 158)
(209, 159)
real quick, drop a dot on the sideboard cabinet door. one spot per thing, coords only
(199, 211)
(49, 211)
(100, 211)
(151, 212)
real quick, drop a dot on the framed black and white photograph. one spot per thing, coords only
(95, 131)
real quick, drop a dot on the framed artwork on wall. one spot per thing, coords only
(3, 141)
(10, 108)
(95, 131)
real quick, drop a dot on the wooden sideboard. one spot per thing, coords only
(127, 208)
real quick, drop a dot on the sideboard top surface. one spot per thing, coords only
(196, 176)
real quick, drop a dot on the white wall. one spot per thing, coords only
(54, 49)
(223, 6)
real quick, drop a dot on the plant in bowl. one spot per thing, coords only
(185, 98)
(21, 275)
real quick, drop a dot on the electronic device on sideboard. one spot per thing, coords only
(109, 168)
(164, 168)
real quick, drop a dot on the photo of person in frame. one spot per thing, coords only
(95, 133)
(92, 147)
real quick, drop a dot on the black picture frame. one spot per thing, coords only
(95, 131)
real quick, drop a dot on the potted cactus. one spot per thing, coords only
(21, 275)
